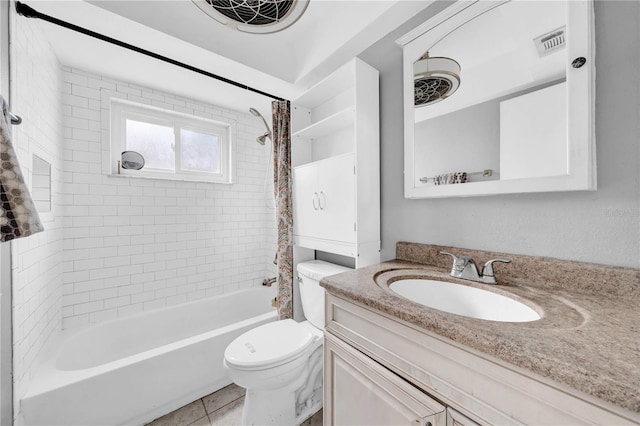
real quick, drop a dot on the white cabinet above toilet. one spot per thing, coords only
(336, 172)
(324, 202)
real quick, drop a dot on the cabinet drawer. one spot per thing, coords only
(359, 391)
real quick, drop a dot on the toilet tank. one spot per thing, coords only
(312, 295)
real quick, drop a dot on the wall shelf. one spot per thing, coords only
(333, 123)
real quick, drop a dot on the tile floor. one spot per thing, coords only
(223, 407)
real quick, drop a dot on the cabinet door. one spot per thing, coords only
(458, 419)
(359, 391)
(337, 197)
(306, 202)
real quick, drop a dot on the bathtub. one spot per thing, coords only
(135, 369)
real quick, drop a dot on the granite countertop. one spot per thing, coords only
(588, 337)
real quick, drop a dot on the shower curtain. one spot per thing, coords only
(282, 186)
(18, 215)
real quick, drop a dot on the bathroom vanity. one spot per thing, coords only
(389, 360)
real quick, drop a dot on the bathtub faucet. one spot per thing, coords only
(268, 282)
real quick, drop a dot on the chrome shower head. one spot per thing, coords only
(261, 139)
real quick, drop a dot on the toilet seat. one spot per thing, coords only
(269, 345)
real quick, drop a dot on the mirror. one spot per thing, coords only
(499, 98)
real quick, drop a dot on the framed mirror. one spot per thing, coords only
(499, 99)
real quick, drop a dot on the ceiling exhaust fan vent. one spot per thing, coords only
(551, 41)
(434, 79)
(254, 16)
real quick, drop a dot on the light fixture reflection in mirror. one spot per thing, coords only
(435, 79)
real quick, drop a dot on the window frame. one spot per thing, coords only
(123, 110)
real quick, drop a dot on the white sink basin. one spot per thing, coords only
(463, 300)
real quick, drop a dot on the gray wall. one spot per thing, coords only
(601, 226)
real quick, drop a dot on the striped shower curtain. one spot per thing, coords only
(282, 186)
(18, 215)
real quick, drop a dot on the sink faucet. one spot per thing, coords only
(465, 268)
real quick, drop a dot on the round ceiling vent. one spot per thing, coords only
(254, 16)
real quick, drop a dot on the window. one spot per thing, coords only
(173, 145)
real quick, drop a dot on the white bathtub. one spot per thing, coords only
(133, 370)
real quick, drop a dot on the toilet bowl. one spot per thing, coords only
(280, 363)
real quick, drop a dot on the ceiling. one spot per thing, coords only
(329, 34)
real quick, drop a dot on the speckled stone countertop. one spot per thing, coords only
(588, 337)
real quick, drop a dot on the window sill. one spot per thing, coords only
(170, 179)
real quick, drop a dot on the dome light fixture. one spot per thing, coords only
(254, 16)
(434, 79)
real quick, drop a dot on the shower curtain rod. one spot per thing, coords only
(29, 12)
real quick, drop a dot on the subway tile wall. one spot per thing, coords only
(37, 260)
(133, 244)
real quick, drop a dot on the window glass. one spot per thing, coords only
(153, 141)
(174, 145)
(200, 152)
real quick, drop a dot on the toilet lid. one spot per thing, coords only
(268, 345)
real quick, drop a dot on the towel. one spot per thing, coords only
(18, 215)
(450, 178)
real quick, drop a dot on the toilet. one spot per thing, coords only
(280, 363)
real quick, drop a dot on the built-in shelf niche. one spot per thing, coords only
(41, 184)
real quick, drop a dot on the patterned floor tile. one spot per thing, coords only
(183, 416)
(224, 396)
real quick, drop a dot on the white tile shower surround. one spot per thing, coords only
(37, 261)
(138, 244)
(223, 407)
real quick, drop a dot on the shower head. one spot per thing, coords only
(261, 139)
(434, 79)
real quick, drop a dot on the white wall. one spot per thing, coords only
(443, 145)
(136, 244)
(37, 260)
(601, 226)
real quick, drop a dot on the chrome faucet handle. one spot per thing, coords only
(463, 267)
(450, 254)
(488, 275)
(454, 269)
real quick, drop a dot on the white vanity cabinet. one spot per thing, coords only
(455, 418)
(365, 393)
(370, 356)
(336, 166)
